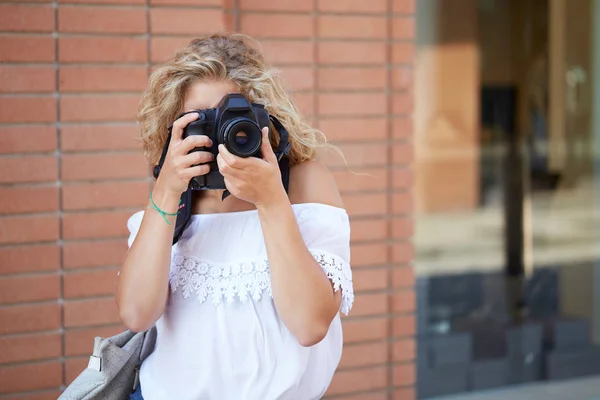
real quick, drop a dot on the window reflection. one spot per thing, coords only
(506, 118)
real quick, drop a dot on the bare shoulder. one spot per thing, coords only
(313, 182)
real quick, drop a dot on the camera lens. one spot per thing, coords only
(242, 137)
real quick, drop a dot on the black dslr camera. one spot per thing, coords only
(235, 123)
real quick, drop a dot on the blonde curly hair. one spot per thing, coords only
(221, 57)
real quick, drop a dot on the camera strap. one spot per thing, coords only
(185, 211)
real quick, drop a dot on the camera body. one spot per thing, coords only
(235, 123)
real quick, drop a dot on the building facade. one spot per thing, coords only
(471, 131)
(71, 77)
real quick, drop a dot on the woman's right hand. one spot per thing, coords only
(179, 166)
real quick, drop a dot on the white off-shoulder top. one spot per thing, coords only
(220, 337)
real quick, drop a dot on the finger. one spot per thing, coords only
(225, 169)
(266, 149)
(196, 157)
(232, 160)
(180, 124)
(194, 141)
(197, 170)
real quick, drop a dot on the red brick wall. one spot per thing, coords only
(71, 75)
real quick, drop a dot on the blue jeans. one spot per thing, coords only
(137, 395)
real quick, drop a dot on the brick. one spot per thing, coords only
(30, 347)
(283, 52)
(404, 375)
(20, 289)
(361, 180)
(354, 129)
(92, 19)
(29, 318)
(80, 342)
(95, 225)
(281, 5)
(368, 229)
(82, 137)
(45, 395)
(27, 109)
(367, 204)
(351, 53)
(403, 6)
(36, 258)
(357, 380)
(352, 104)
(364, 354)
(402, 227)
(402, 203)
(370, 304)
(28, 229)
(405, 394)
(402, 253)
(102, 49)
(185, 21)
(403, 53)
(369, 279)
(352, 27)
(23, 79)
(102, 79)
(103, 166)
(96, 253)
(90, 283)
(352, 6)
(277, 25)
(26, 18)
(164, 48)
(26, 377)
(40, 138)
(361, 155)
(403, 350)
(89, 196)
(17, 199)
(81, 108)
(29, 169)
(90, 312)
(188, 2)
(124, 2)
(402, 128)
(304, 102)
(26, 48)
(403, 28)
(298, 78)
(403, 153)
(365, 329)
(402, 178)
(368, 254)
(352, 78)
(404, 326)
(403, 302)
(402, 104)
(375, 395)
(73, 367)
(402, 78)
(403, 277)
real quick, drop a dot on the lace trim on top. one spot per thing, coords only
(246, 280)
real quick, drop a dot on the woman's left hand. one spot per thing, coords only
(252, 179)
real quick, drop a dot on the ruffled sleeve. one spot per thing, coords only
(326, 232)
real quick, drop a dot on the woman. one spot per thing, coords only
(284, 257)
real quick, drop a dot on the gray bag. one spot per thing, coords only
(112, 372)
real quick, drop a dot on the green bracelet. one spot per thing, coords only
(163, 213)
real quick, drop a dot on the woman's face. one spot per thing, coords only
(203, 95)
